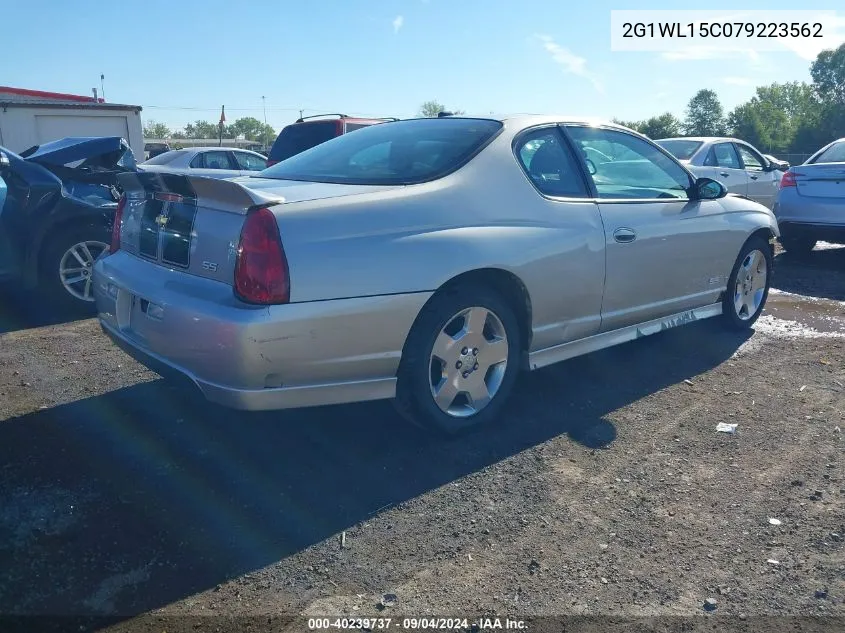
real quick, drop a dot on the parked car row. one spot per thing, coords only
(424, 260)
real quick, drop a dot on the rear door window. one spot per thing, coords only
(250, 162)
(214, 160)
(549, 164)
(298, 137)
(723, 155)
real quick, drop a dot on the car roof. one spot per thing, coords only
(703, 139)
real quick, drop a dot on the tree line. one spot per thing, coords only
(251, 128)
(788, 118)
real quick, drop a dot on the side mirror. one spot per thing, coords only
(4, 160)
(709, 189)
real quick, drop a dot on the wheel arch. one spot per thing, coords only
(508, 285)
(50, 231)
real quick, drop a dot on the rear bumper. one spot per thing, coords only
(824, 232)
(249, 357)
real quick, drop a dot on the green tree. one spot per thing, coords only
(431, 109)
(252, 129)
(828, 72)
(745, 123)
(179, 134)
(156, 130)
(201, 129)
(665, 125)
(631, 125)
(705, 116)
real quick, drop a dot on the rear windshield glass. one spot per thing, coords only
(403, 152)
(680, 149)
(167, 157)
(833, 154)
(297, 138)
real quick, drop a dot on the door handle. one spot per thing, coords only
(753, 177)
(624, 235)
(724, 174)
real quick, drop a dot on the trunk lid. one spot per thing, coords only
(822, 180)
(108, 152)
(193, 224)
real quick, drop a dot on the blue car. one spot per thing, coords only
(56, 219)
(810, 204)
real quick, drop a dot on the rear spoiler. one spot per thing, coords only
(225, 195)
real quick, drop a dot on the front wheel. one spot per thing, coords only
(748, 285)
(67, 266)
(460, 360)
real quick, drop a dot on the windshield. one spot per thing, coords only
(680, 148)
(833, 154)
(398, 153)
(167, 157)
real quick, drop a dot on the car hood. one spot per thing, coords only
(113, 149)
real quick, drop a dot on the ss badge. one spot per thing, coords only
(211, 266)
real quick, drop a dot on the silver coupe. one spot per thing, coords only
(425, 260)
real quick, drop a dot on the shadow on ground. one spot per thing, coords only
(149, 490)
(20, 310)
(820, 273)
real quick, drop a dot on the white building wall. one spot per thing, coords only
(22, 126)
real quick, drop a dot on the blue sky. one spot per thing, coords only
(182, 59)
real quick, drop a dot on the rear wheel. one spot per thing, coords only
(797, 245)
(748, 285)
(460, 361)
(67, 266)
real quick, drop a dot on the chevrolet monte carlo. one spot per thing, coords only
(425, 260)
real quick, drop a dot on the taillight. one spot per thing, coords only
(261, 270)
(271, 162)
(787, 180)
(115, 229)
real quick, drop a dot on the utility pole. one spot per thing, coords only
(102, 86)
(264, 132)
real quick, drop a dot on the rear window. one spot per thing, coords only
(298, 137)
(833, 154)
(399, 153)
(167, 157)
(681, 149)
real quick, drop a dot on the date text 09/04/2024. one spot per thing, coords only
(722, 29)
(416, 624)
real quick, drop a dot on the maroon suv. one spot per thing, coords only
(305, 134)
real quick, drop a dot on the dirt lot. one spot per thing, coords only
(607, 491)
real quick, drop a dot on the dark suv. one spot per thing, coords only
(305, 134)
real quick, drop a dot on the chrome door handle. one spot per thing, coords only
(724, 173)
(624, 235)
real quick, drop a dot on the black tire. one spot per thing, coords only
(730, 316)
(414, 397)
(49, 279)
(797, 245)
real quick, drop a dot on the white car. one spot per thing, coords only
(210, 162)
(736, 164)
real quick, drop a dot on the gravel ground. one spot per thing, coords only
(607, 492)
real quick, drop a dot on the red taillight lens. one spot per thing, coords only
(261, 271)
(118, 221)
(787, 180)
(271, 162)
